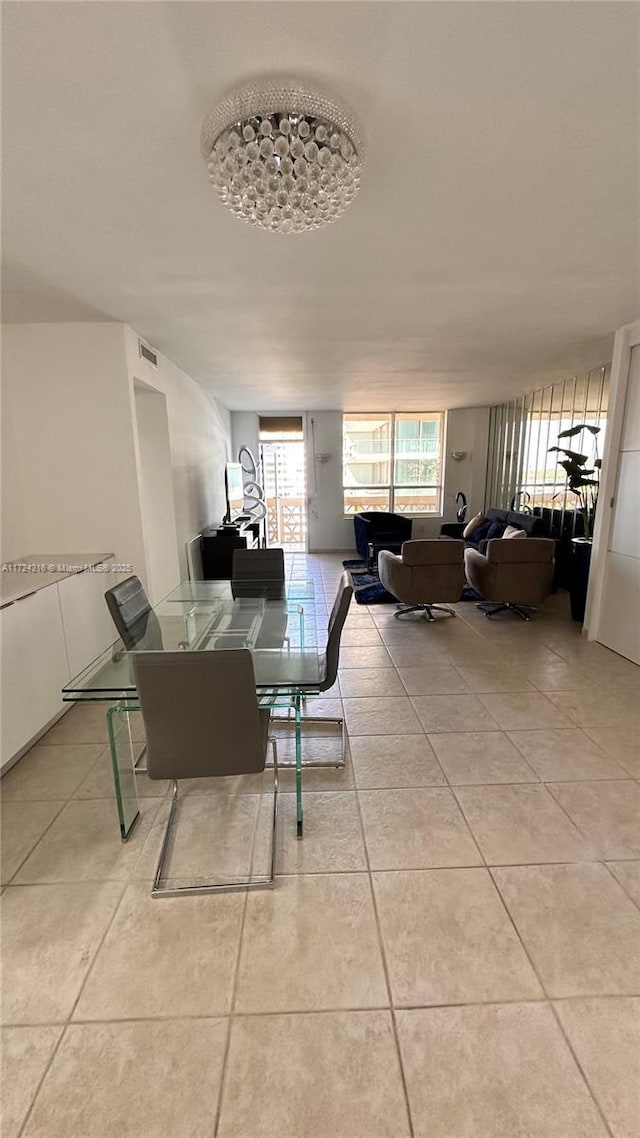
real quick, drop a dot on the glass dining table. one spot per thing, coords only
(277, 621)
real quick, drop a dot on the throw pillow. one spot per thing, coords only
(496, 530)
(473, 524)
(481, 532)
(513, 531)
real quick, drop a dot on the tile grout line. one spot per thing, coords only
(575, 825)
(47, 1068)
(187, 1017)
(231, 1016)
(535, 780)
(38, 840)
(580, 1068)
(549, 1002)
(385, 968)
(68, 1022)
(612, 874)
(547, 999)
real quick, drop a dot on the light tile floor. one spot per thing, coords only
(453, 951)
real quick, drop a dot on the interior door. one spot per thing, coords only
(619, 625)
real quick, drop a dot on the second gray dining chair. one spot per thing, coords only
(202, 720)
(136, 623)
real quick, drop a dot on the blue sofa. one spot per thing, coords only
(532, 525)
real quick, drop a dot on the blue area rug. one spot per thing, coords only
(369, 591)
(366, 584)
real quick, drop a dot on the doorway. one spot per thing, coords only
(155, 485)
(619, 624)
(282, 452)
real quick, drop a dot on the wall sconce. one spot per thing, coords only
(458, 455)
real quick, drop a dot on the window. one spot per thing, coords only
(393, 462)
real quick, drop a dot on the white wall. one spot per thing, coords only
(245, 431)
(328, 527)
(69, 466)
(199, 439)
(71, 453)
(467, 429)
(15, 527)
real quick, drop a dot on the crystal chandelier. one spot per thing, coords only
(283, 156)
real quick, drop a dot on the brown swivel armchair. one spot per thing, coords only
(514, 574)
(425, 572)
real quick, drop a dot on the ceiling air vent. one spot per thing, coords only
(147, 354)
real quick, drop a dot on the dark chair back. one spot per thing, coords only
(336, 624)
(257, 565)
(200, 713)
(264, 566)
(131, 612)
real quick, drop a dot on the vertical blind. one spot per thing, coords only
(522, 431)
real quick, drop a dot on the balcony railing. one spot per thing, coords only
(286, 521)
(375, 448)
(427, 502)
(367, 446)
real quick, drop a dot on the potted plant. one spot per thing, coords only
(583, 481)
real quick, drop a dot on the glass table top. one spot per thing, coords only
(275, 620)
(293, 590)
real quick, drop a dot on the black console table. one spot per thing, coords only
(218, 544)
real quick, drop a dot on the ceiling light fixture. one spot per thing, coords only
(283, 156)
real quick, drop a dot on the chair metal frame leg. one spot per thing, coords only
(313, 763)
(227, 886)
(490, 608)
(138, 759)
(338, 719)
(425, 610)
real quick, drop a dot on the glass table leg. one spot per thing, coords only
(122, 762)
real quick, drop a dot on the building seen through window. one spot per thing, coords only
(393, 461)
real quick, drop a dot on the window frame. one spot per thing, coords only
(391, 488)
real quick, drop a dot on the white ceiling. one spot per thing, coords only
(494, 242)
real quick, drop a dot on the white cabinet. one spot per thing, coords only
(49, 636)
(88, 628)
(34, 667)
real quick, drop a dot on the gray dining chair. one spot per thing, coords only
(136, 623)
(329, 661)
(137, 626)
(202, 720)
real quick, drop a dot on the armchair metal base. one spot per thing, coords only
(426, 610)
(157, 889)
(489, 608)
